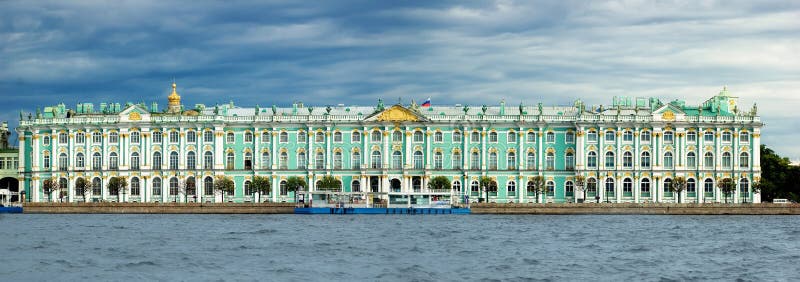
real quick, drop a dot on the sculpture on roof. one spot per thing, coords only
(328, 109)
(380, 107)
(465, 109)
(414, 107)
(274, 109)
(484, 108)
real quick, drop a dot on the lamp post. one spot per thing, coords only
(483, 188)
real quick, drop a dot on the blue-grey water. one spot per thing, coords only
(398, 247)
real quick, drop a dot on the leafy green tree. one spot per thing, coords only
(538, 186)
(294, 183)
(83, 187)
(117, 184)
(48, 185)
(223, 184)
(330, 183)
(726, 186)
(487, 183)
(261, 184)
(778, 177)
(439, 183)
(678, 185)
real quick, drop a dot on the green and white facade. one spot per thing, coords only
(628, 152)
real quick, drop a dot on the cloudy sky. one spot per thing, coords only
(354, 52)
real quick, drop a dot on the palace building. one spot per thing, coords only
(630, 151)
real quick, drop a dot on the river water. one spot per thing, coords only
(399, 247)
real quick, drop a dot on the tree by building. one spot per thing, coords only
(439, 183)
(726, 186)
(580, 182)
(330, 183)
(486, 184)
(538, 186)
(48, 185)
(261, 185)
(117, 185)
(223, 184)
(83, 188)
(678, 185)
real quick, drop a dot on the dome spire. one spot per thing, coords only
(174, 100)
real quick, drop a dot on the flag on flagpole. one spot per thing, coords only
(427, 103)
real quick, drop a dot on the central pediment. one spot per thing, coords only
(397, 113)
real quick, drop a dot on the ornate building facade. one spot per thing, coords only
(627, 152)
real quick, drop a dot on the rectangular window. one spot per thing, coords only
(475, 137)
(356, 137)
(609, 136)
(691, 137)
(208, 136)
(592, 137)
(157, 137)
(551, 137)
(191, 137)
(512, 137)
(645, 138)
(569, 137)
(456, 137)
(708, 136)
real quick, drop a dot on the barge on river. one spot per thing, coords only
(325, 202)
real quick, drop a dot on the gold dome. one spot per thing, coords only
(174, 98)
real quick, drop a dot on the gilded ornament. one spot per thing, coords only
(134, 116)
(668, 115)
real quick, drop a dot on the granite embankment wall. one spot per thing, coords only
(156, 208)
(288, 208)
(630, 208)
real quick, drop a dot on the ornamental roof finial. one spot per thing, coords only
(174, 100)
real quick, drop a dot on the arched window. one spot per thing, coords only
(530, 188)
(247, 189)
(208, 186)
(173, 186)
(397, 136)
(191, 160)
(356, 160)
(190, 186)
(668, 160)
(457, 137)
(113, 138)
(511, 188)
(551, 137)
(356, 186)
(569, 189)
(376, 136)
(551, 188)
(63, 162)
(302, 137)
(493, 161)
(744, 188)
(475, 137)
(97, 187)
(113, 161)
(416, 184)
(691, 186)
(319, 137)
(248, 137)
(708, 160)
(569, 137)
(337, 137)
(474, 187)
(492, 137)
(208, 160)
(511, 161)
(627, 160)
(230, 138)
(457, 186)
(173, 160)
(570, 161)
(337, 160)
(591, 186)
(438, 160)
(512, 137)
(550, 161)
(229, 161)
(667, 186)
(531, 137)
(609, 160)
(283, 137)
(319, 161)
(375, 159)
(438, 137)
(530, 161)
(97, 161)
(266, 161)
(591, 159)
(591, 136)
(627, 187)
(80, 160)
(283, 160)
(418, 160)
(418, 136)
(156, 186)
(157, 160)
(135, 161)
(397, 160)
(726, 160)
(609, 188)
(135, 186)
(283, 189)
(744, 160)
(301, 160)
(708, 187)
(475, 161)
(248, 161)
(691, 160)
(645, 187)
(456, 160)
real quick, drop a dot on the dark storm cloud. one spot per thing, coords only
(358, 51)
